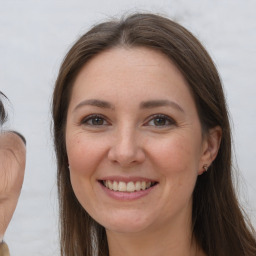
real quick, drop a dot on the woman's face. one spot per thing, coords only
(134, 141)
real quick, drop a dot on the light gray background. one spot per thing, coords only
(35, 35)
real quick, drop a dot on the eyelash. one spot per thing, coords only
(89, 120)
(163, 118)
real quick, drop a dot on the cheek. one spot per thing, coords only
(83, 159)
(176, 155)
(83, 154)
(176, 160)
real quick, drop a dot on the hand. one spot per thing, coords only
(12, 167)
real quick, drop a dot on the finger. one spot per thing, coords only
(12, 167)
(12, 164)
(21, 136)
(4, 250)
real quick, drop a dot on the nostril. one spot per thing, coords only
(126, 156)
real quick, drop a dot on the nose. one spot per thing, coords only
(126, 149)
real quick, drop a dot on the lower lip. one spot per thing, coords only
(126, 196)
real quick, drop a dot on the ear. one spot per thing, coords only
(210, 148)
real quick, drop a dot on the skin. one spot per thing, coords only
(129, 141)
(12, 166)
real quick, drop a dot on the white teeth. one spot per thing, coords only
(130, 187)
(127, 187)
(110, 185)
(122, 186)
(115, 186)
(138, 186)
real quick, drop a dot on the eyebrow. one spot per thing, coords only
(94, 102)
(143, 105)
(161, 103)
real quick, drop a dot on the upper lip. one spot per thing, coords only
(127, 179)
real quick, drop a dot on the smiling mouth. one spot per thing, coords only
(121, 186)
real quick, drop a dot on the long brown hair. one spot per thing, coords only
(219, 226)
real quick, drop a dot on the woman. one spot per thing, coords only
(143, 146)
(12, 166)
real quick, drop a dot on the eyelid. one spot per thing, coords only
(168, 119)
(85, 119)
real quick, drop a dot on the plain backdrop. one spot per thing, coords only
(34, 37)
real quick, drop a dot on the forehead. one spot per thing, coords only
(133, 73)
(121, 59)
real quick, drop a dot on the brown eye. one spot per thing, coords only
(97, 121)
(161, 121)
(94, 120)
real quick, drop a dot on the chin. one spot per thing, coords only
(128, 228)
(125, 224)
